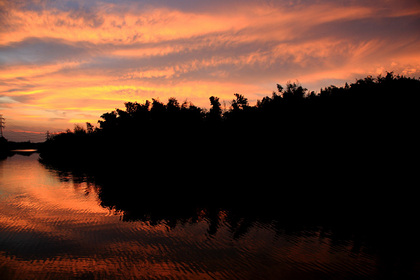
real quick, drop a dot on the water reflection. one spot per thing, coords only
(61, 223)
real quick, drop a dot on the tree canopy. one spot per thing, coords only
(292, 123)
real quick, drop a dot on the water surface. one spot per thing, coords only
(56, 224)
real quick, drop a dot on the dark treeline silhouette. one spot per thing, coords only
(344, 159)
(345, 141)
(370, 113)
(4, 149)
(9, 148)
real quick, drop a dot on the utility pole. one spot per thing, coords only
(2, 122)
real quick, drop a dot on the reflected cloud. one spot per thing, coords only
(61, 223)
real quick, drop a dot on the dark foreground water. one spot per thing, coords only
(58, 225)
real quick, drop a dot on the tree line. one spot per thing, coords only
(345, 154)
(292, 126)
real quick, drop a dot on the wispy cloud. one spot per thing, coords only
(87, 57)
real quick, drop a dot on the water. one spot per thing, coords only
(56, 224)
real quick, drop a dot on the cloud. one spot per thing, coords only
(6, 100)
(88, 57)
(41, 51)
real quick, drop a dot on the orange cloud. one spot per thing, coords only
(159, 24)
(84, 62)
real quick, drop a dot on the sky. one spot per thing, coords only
(67, 62)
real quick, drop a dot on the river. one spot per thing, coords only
(60, 225)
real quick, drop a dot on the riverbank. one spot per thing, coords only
(363, 132)
(8, 148)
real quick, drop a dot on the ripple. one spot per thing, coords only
(51, 229)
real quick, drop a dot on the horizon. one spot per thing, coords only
(69, 62)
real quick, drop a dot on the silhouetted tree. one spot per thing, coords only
(293, 92)
(3, 147)
(79, 130)
(89, 128)
(366, 122)
(173, 106)
(215, 113)
(240, 103)
(109, 121)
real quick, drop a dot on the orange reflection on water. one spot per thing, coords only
(53, 227)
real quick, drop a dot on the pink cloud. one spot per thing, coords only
(85, 59)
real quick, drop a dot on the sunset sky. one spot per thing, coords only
(67, 62)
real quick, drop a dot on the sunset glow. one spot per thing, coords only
(68, 62)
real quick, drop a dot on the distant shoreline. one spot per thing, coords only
(362, 133)
(8, 148)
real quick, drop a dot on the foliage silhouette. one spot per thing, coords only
(344, 159)
(9, 148)
(4, 147)
(360, 132)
